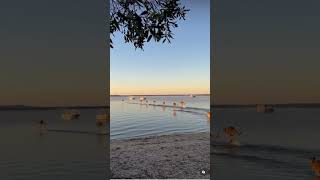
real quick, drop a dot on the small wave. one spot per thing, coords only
(265, 160)
(278, 149)
(269, 148)
(247, 157)
(266, 154)
(76, 132)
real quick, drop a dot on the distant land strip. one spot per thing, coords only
(290, 105)
(162, 95)
(23, 107)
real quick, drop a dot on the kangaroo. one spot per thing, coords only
(315, 166)
(232, 133)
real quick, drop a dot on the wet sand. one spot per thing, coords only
(168, 156)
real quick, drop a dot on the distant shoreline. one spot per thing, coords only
(293, 105)
(161, 95)
(22, 107)
(224, 106)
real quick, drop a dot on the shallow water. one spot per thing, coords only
(131, 119)
(29, 152)
(273, 146)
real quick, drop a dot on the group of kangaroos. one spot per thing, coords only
(232, 134)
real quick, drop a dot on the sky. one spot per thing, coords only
(182, 67)
(267, 52)
(53, 52)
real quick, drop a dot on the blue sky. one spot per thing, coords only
(179, 67)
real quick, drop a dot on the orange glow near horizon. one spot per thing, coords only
(158, 91)
(192, 88)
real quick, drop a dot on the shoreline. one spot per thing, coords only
(167, 156)
(125, 95)
(27, 108)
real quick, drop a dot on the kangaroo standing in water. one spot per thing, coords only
(232, 134)
(315, 166)
(42, 127)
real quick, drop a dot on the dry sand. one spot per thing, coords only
(169, 156)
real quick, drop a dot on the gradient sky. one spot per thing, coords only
(177, 68)
(53, 52)
(268, 52)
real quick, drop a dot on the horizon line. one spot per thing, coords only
(212, 105)
(159, 94)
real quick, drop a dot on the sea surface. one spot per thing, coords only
(133, 119)
(273, 146)
(30, 152)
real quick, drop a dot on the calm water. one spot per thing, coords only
(26, 154)
(273, 146)
(130, 119)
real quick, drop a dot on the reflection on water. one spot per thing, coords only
(158, 116)
(273, 146)
(30, 151)
(174, 112)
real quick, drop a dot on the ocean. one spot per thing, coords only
(29, 152)
(274, 145)
(132, 119)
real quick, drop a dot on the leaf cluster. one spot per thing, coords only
(142, 20)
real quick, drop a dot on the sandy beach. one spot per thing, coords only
(167, 156)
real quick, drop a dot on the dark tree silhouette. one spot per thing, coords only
(139, 21)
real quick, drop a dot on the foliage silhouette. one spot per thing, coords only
(141, 20)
